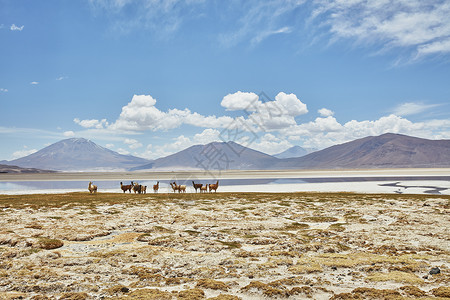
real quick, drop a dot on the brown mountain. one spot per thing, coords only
(78, 154)
(213, 156)
(385, 151)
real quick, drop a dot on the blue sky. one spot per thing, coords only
(150, 77)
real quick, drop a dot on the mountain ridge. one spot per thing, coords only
(78, 154)
(388, 150)
(385, 151)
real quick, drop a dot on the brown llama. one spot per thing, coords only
(197, 186)
(179, 188)
(92, 188)
(214, 187)
(126, 187)
(156, 187)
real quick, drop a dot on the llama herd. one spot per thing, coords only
(142, 189)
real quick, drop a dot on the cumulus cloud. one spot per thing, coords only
(16, 28)
(132, 143)
(270, 144)
(241, 101)
(268, 126)
(142, 114)
(265, 114)
(3, 90)
(324, 112)
(325, 132)
(91, 123)
(34, 83)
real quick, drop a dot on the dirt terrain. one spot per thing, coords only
(224, 246)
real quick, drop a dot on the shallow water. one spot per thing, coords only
(427, 185)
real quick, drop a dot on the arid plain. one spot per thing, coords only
(225, 245)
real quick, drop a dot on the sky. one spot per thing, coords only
(153, 77)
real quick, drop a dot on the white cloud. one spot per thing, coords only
(268, 115)
(23, 153)
(241, 101)
(132, 143)
(269, 126)
(269, 32)
(325, 132)
(161, 17)
(3, 90)
(16, 28)
(422, 26)
(142, 114)
(61, 78)
(69, 133)
(207, 136)
(270, 144)
(123, 151)
(324, 112)
(34, 83)
(412, 108)
(109, 146)
(91, 123)
(289, 104)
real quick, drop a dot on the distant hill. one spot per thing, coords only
(294, 151)
(213, 156)
(18, 170)
(384, 151)
(78, 154)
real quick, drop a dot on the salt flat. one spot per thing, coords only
(228, 174)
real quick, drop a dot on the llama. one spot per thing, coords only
(92, 188)
(197, 186)
(174, 187)
(126, 187)
(214, 187)
(137, 188)
(156, 187)
(179, 188)
(204, 189)
(143, 189)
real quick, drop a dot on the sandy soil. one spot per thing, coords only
(224, 246)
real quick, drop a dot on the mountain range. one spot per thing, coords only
(384, 151)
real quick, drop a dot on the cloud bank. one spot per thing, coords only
(270, 126)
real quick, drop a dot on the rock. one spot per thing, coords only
(124, 289)
(435, 270)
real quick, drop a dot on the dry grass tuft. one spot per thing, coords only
(396, 276)
(413, 291)
(191, 294)
(212, 284)
(443, 291)
(144, 294)
(48, 244)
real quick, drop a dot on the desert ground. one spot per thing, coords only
(225, 245)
